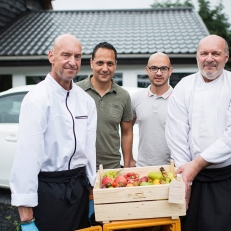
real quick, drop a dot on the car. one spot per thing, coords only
(10, 103)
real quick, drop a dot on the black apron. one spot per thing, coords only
(63, 198)
(210, 202)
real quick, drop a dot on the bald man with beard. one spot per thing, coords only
(198, 132)
(54, 168)
(149, 111)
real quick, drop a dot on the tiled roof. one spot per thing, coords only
(143, 31)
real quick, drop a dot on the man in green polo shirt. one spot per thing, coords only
(113, 107)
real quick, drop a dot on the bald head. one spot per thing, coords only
(65, 39)
(214, 40)
(65, 58)
(163, 58)
(159, 70)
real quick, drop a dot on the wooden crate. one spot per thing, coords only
(140, 202)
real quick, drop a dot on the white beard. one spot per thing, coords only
(210, 76)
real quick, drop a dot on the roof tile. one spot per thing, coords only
(170, 30)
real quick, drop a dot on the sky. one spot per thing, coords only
(123, 4)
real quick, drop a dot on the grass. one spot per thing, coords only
(9, 218)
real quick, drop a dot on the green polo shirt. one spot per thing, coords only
(112, 108)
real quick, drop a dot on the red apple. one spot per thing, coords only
(121, 181)
(107, 182)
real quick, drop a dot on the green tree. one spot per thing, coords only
(215, 19)
(169, 3)
(216, 22)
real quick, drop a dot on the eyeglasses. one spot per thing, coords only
(155, 69)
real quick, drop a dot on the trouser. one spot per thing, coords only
(63, 198)
(210, 202)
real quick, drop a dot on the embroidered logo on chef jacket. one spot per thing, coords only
(81, 117)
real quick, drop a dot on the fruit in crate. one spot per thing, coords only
(107, 182)
(111, 174)
(132, 176)
(120, 181)
(156, 181)
(130, 185)
(164, 173)
(144, 179)
(155, 175)
(145, 183)
(136, 183)
(163, 176)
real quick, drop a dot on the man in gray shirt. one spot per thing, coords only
(149, 111)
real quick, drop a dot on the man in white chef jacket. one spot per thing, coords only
(54, 168)
(198, 133)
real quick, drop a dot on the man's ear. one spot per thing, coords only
(51, 56)
(91, 61)
(146, 69)
(170, 71)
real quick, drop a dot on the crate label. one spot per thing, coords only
(176, 192)
(138, 195)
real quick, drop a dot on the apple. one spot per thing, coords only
(107, 182)
(121, 181)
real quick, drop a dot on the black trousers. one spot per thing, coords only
(63, 198)
(210, 202)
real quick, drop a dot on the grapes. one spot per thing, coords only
(111, 173)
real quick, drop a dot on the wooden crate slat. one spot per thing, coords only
(138, 210)
(125, 194)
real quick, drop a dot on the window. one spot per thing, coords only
(118, 78)
(79, 78)
(176, 77)
(34, 79)
(10, 107)
(5, 82)
(143, 81)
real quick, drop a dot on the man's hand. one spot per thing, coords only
(189, 172)
(29, 227)
(132, 163)
(191, 169)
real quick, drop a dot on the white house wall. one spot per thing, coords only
(129, 72)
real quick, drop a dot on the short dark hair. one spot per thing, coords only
(103, 45)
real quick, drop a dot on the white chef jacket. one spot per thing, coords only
(199, 120)
(49, 124)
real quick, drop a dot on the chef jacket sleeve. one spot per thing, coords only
(90, 148)
(177, 127)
